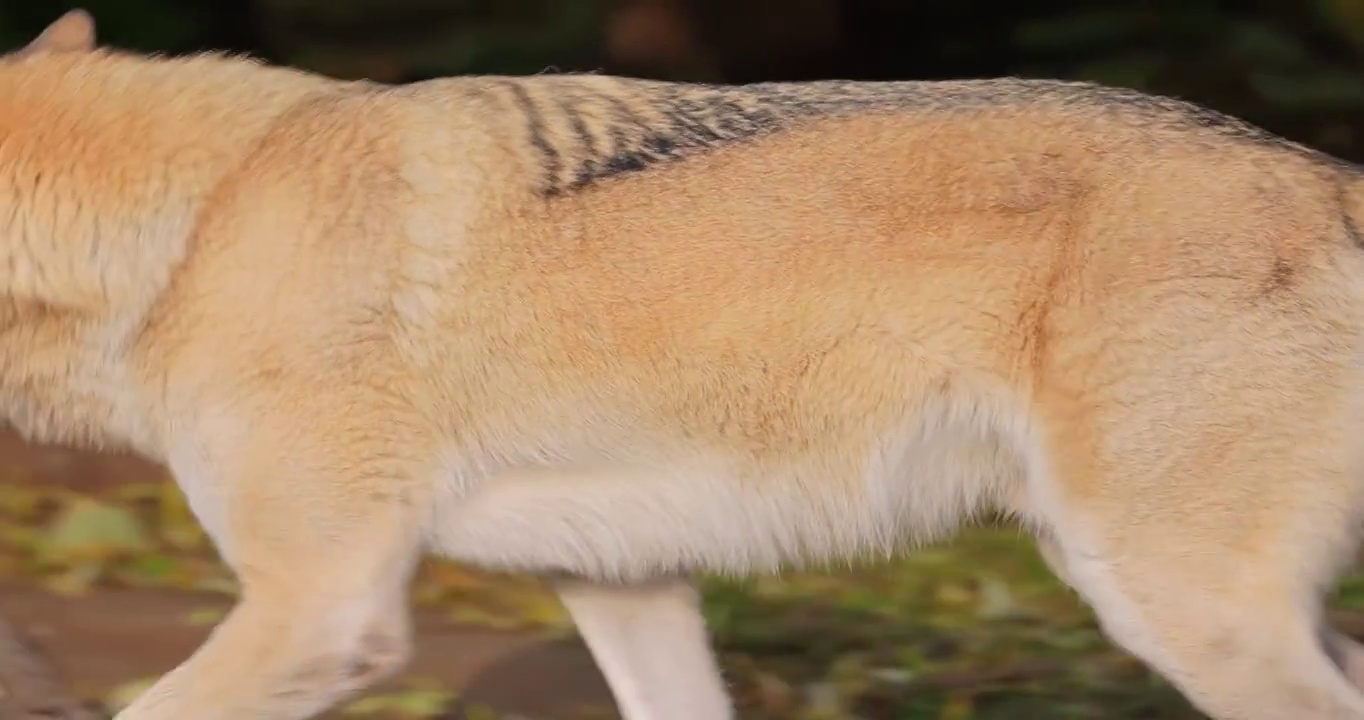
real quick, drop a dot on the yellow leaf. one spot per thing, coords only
(87, 529)
(958, 707)
(123, 695)
(414, 703)
(205, 616)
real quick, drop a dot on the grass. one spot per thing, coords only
(977, 629)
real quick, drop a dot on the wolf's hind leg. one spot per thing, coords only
(1208, 567)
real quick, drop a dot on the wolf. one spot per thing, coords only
(620, 333)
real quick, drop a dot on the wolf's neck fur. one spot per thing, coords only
(105, 162)
(105, 159)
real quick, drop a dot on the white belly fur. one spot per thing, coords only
(623, 522)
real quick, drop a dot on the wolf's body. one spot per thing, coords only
(619, 332)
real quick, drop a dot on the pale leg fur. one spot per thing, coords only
(1240, 636)
(1236, 654)
(650, 642)
(1345, 651)
(324, 568)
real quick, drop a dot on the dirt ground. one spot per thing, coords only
(107, 637)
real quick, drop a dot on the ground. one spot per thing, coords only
(101, 561)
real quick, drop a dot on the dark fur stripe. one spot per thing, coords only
(539, 137)
(621, 126)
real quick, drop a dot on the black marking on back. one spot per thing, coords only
(1347, 181)
(622, 158)
(639, 124)
(582, 136)
(536, 127)
(1352, 230)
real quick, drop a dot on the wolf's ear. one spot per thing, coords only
(72, 32)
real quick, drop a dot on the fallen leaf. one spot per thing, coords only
(124, 695)
(87, 529)
(995, 601)
(205, 616)
(415, 703)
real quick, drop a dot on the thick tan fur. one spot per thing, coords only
(620, 332)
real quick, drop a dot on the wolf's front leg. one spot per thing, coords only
(324, 540)
(651, 644)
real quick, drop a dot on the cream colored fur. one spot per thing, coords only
(620, 333)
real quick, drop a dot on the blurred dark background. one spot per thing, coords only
(1294, 66)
